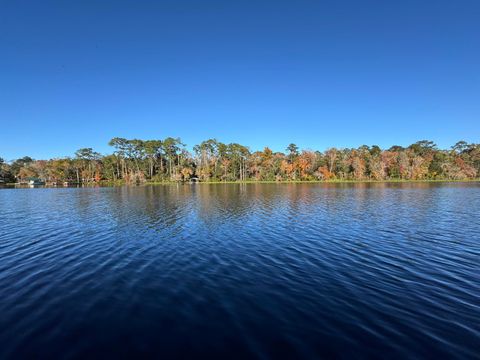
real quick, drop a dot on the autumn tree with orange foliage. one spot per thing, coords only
(137, 161)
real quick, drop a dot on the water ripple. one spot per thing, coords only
(249, 271)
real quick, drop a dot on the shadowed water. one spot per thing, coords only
(257, 270)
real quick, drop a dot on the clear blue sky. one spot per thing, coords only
(317, 73)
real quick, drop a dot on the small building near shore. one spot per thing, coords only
(35, 181)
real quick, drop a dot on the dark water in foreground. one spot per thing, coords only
(282, 271)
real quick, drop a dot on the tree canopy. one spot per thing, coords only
(136, 161)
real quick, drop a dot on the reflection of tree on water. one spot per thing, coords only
(161, 207)
(215, 204)
(185, 209)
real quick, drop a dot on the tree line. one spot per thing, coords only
(138, 161)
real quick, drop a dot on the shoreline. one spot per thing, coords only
(311, 182)
(283, 182)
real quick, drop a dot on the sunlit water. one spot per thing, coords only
(262, 271)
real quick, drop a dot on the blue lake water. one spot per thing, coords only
(241, 271)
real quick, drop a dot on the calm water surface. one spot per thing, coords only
(258, 271)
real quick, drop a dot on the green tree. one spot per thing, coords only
(86, 161)
(153, 151)
(460, 147)
(292, 150)
(171, 148)
(423, 147)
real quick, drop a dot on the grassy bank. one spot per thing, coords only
(122, 183)
(316, 181)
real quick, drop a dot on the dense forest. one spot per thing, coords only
(139, 161)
